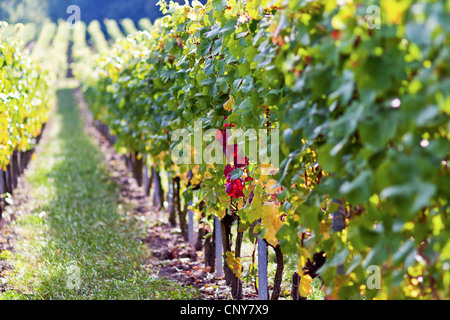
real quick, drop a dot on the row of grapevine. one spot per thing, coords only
(128, 26)
(24, 34)
(113, 29)
(26, 97)
(363, 116)
(50, 49)
(145, 24)
(44, 40)
(58, 51)
(97, 37)
(81, 52)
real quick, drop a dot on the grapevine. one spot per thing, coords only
(363, 115)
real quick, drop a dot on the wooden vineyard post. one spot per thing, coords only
(172, 199)
(146, 181)
(22, 162)
(125, 160)
(170, 193)
(2, 182)
(19, 163)
(2, 191)
(9, 187)
(150, 181)
(218, 247)
(262, 270)
(158, 192)
(129, 163)
(14, 170)
(137, 162)
(190, 225)
(156, 200)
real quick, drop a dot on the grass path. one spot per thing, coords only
(74, 221)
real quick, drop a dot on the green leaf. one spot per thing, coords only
(236, 174)
(244, 69)
(358, 190)
(406, 248)
(368, 236)
(326, 160)
(209, 67)
(215, 29)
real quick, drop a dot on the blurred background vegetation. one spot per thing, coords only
(24, 11)
(36, 11)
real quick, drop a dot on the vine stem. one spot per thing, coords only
(278, 274)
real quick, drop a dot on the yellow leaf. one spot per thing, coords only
(253, 8)
(346, 11)
(194, 27)
(395, 9)
(193, 15)
(269, 210)
(229, 105)
(196, 180)
(305, 285)
(330, 6)
(444, 103)
(234, 263)
(324, 229)
(302, 259)
(269, 184)
(232, 9)
(267, 170)
(337, 23)
(271, 221)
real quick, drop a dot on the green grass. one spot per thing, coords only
(76, 220)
